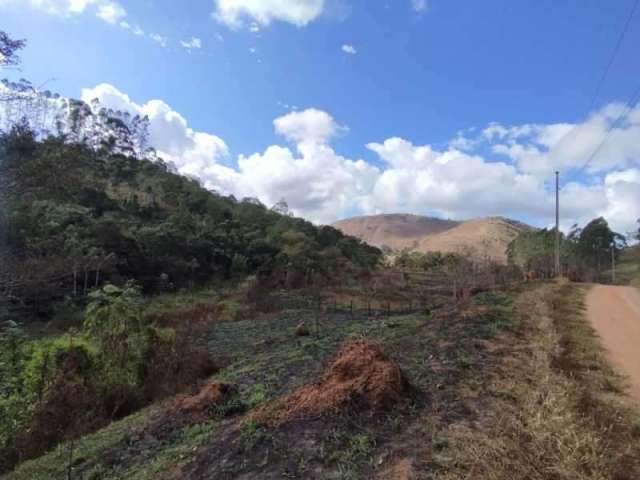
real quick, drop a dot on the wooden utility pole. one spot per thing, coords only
(557, 256)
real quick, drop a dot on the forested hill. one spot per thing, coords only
(74, 216)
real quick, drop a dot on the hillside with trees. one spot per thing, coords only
(78, 213)
(95, 226)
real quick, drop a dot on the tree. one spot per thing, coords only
(113, 320)
(596, 243)
(9, 50)
(282, 208)
(9, 58)
(533, 251)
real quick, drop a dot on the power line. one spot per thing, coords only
(614, 54)
(625, 111)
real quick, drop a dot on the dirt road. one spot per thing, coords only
(615, 314)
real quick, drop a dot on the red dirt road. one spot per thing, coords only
(615, 314)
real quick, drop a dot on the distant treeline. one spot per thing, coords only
(585, 253)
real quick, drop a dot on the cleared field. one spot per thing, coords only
(509, 385)
(446, 357)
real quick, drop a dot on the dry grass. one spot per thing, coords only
(561, 414)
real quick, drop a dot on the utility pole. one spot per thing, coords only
(557, 256)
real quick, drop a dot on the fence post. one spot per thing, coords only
(351, 308)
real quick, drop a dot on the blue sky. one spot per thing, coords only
(422, 106)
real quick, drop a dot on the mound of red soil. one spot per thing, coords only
(360, 375)
(210, 395)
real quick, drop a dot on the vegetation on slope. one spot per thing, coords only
(75, 218)
(92, 223)
(266, 361)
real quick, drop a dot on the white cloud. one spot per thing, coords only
(56, 7)
(135, 29)
(308, 126)
(622, 190)
(191, 151)
(239, 13)
(108, 10)
(616, 198)
(419, 5)
(451, 183)
(193, 43)
(159, 39)
(323, 185)
(541, 149)
(111, 12)
(317, 182)
(350, 49)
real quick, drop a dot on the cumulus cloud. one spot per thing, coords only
(616, 198)
(541, 149)
(622, 190)
(350, 49)
(241, 13)
(451, 183)
(191, 151)
(308, 126)
(193, 43)
(323, 185)
(111, 12)
(317, 182)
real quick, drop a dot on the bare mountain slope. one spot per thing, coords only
(396, 231)
(486, 236)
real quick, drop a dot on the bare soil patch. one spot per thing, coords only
(614, 312)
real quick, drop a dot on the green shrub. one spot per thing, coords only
(113, 320)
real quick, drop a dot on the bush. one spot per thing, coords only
(43, 385)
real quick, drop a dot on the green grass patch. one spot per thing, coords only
(182, 300)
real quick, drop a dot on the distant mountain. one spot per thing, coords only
(488, 236)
